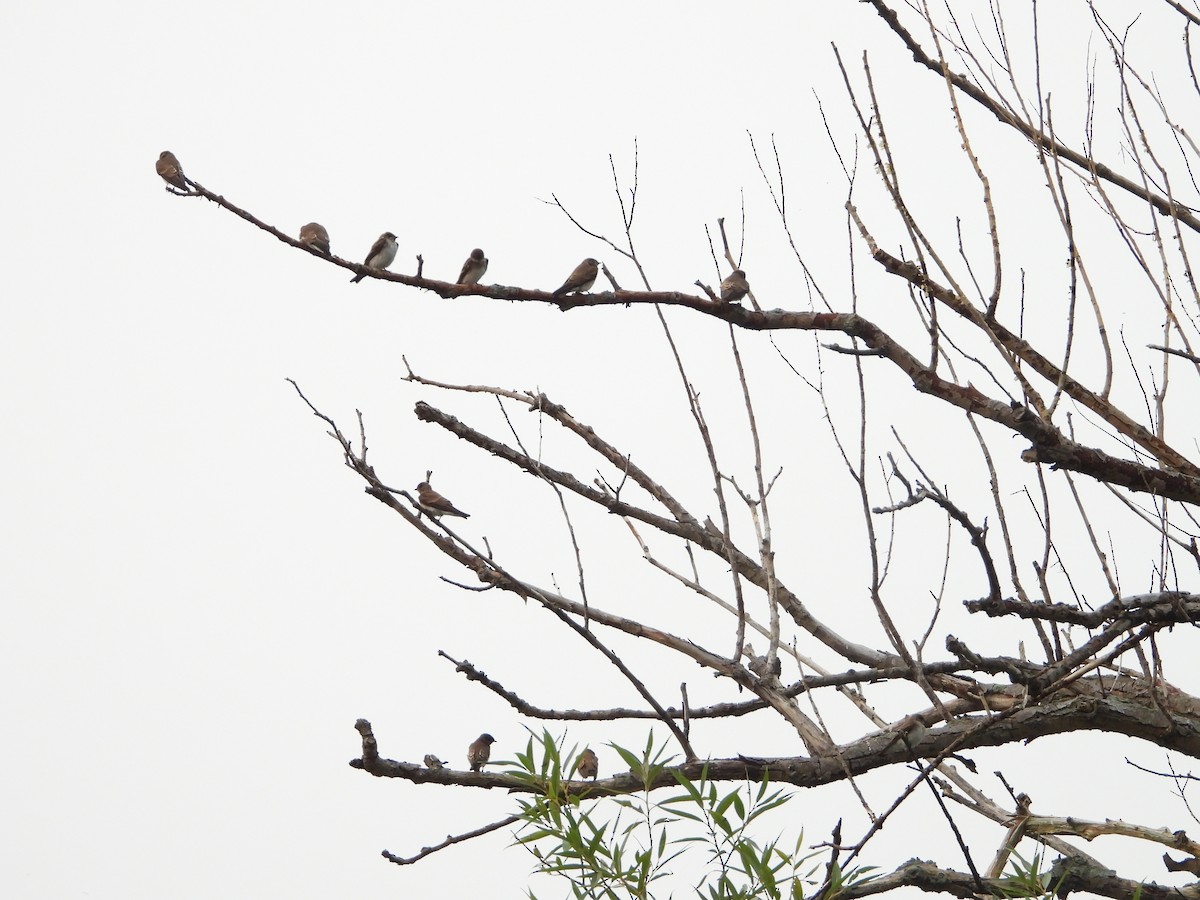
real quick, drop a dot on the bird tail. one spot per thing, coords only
(356, 279)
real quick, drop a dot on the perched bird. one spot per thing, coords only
(473, 268)
(734, 288)
(383, 251)
(432, 762)
(479, 751)
(315, 235)
(912, 729)
(763, 666)
(581, 279)
(435, 504)
(587, 765)
(170, 170)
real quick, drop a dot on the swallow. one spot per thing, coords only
(315, 235)
(912, 729)
(581, 279)
(435, 504)
(587, 765)
(432, 762)
(473, 268)
(172, 173)
(762, 666)
(479, 751)
(734, 288)
(383, 251)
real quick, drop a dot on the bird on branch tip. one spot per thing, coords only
(171, 172)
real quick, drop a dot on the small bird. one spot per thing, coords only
(912, 729)
(473, 268)
(587, 765)
(170, 170)
(480, 751)
(735, 287)
(581, 279)
(432, 762)
(383, 251)
(315, 235)
(762, 666)
(435, 504)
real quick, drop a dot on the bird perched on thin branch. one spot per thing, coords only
(473, 268)
(581, 279)
(735, 287)
(480, 751)
(171, 172)
(432, 762)
(383, 251)
(587, 765)
(315, 235)
(435, 504)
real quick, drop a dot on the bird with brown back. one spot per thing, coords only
(315, 235)
(587, 765)
(170, 171)
(581, 279)
(480, 751)
(473, 268)
(435, 504)
(735, 287)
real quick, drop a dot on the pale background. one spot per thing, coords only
(199, 599)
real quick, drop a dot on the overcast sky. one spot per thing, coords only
(200, 599)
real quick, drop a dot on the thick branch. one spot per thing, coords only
(1097, 706)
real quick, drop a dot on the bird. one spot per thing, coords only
(315, 235)
(763, 666)
(587, 765)
(170, 170)
(912, 729)
(734, 288)
(473, 268)
(581, 279)
(432, 762)
(479, 751)
(435, 504)
(383, 251)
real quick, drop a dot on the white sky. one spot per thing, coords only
(200, 600)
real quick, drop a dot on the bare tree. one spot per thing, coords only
(1044, 458)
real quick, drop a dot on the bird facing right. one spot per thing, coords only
(735, 287)
(581, 279)
(383, 251)
(473, 268)
(480, 751)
